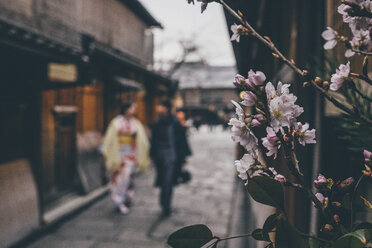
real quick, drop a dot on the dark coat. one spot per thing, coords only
(160, 135)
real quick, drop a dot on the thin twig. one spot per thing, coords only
(361, 94)
(362, 77)
(361, 52)
(352, 199)
(303, 74)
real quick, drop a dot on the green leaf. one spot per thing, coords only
(363, 225)
(267, 191)
(259, 234)
(193, 236)
(357, 239)
(287, 236)
(270, 223)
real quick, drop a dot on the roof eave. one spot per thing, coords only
(142, 13)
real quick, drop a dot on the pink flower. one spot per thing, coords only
(338, 78)
(336, 218)
(346, 183)
(240, 81)
(259, 117)
(249, 99)
(280, 178)
(323, 200)
(320, 181)
(343, 10)
(255, 123)
(328, 227)
(270, 142)
(241, 133)
(255, 78)
(330, 36)
(236, 30)
(304, 135)
(367, 155)
(243, 165)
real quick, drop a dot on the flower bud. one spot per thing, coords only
(305, 84)
(367, 172)
(336, 204)
(305, 72)
(259, 117)
(276, 55)
(285, 138)
(320, 181)
(367, 155)
(240, 13)
(255, 123)
(346, 183)
(354, 74)
(326, 84)
(318, 80)
(328, 227)
(293, 62)
(268, 39)
(247, 120)
(336, 218)
(280, 178)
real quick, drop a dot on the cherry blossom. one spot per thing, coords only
(240, 81)
(241, 133)
(243, 165)
(346, 183)
(322, 199)
(367, 155)
(320, 181)
(339, 77)
(249, 99)
(270, 142)
(330, 36)
(280, 178)
(255, 78)
(282, 107)
(304, 135)
(236, 30)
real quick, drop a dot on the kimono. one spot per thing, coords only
(126, 149)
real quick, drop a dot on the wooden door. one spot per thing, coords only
(65, 149)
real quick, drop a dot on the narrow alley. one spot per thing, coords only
(206, 199)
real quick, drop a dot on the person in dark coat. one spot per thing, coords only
(169, 149)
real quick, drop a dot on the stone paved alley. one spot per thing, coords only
(206, 199)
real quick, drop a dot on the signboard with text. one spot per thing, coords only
(62, 73)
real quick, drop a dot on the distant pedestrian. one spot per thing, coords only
(125, 149)
(169, 148)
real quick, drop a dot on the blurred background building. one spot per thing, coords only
(66, 67)
(205, 91)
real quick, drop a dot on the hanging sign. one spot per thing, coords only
(62, 73)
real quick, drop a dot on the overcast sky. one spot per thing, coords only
(182, 21)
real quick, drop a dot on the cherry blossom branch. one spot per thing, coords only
(303, 73)
(310, 194)
(352, 200)
(354, 88)
(361, 52)
(290, 156)
(362, 77)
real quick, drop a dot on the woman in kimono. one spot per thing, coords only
(126, 150)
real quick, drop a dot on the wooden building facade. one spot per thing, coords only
(66, 69)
